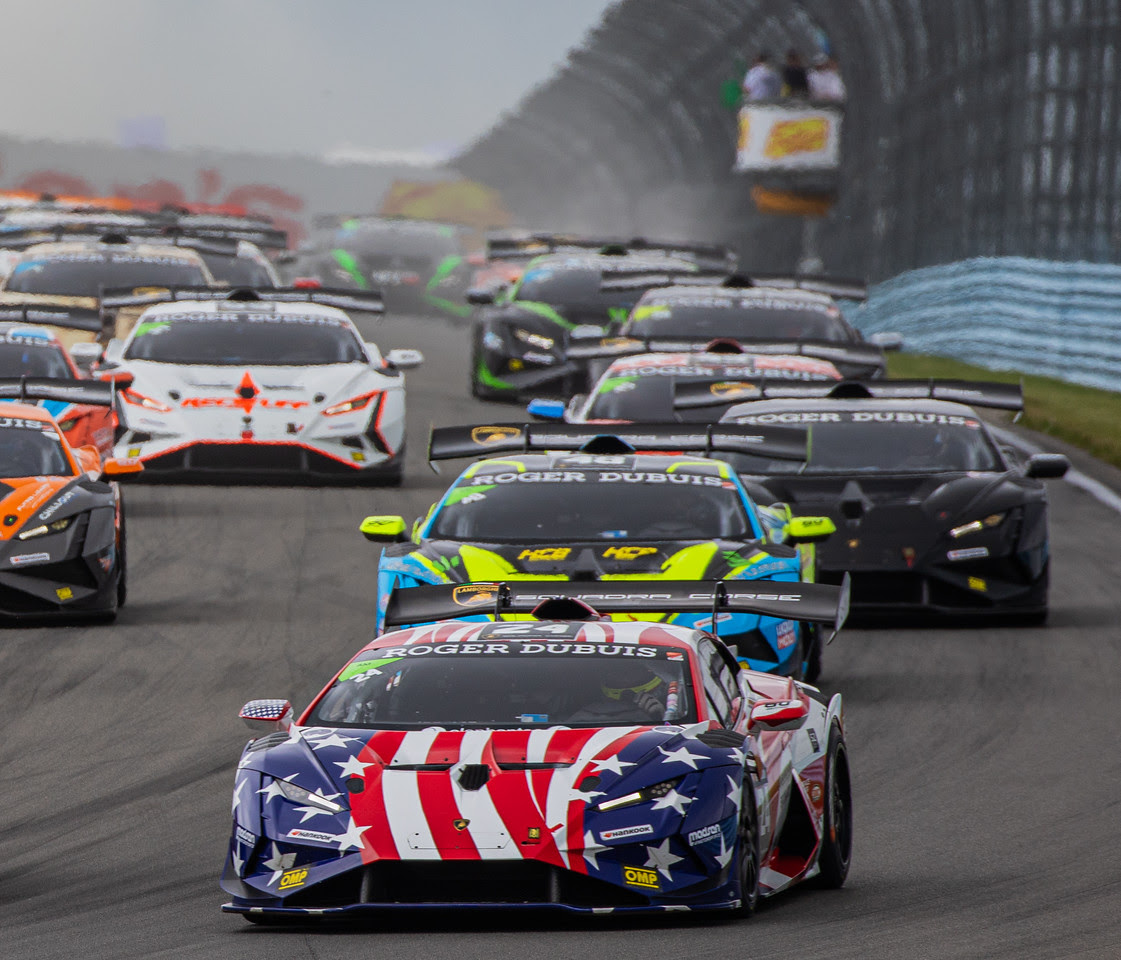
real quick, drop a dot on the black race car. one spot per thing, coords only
(762, 313)
(932, 513)
(524, 337)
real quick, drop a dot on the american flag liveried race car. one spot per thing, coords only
(259, 384)
(581, 505)
(562, 761)
(62, 533)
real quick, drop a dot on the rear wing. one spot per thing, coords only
(992, 396)
(775, 442)
(147, 233)
(355, 301)
(262, 234)
(527, 246)
(812, 602)
(55, 315)
(841, 288)
(94, 393)
(614, 347)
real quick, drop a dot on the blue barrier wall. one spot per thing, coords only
(1007, 313)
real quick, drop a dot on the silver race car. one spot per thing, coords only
(259, 384)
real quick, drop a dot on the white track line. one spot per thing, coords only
(1076, 478)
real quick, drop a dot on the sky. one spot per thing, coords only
(343, 78)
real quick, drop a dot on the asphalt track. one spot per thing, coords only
(985, 762)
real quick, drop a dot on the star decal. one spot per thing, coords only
(724, 857)
(272, 790)
(612, 763)
(352, 837)
(239, 864)
(353, 767)
(241, 785)
(591, 849)
(672, 801)
(309, 812)
(661, 858)
(681, 755)
(278, 863)
(334, 740)
(734, 791)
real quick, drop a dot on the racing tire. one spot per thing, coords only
(122, 564)
(836, 827)
(747, 853)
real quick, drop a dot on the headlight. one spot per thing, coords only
(298, 794)
(992, 520)
(639, 796)
(57, 527)
(534, 339)
(349, 406)
(67, 425)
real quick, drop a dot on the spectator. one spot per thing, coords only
(795, 82)
(762, 81)
(825, 80)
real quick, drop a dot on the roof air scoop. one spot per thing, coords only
(565, 608)
(738, 281)
(850, 390)
(114, 238)
(853, 502)
(724, 345)
(607, 444)
(243, 294)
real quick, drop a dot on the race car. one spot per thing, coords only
(764, 314)
(34, 351)
(593, 508)
(933, 514)
(247, 384)
(524, 338)
(73, 274)
(686, 387)
(62, 540)
(563, 761)
(418, 265)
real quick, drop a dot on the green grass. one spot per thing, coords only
(1085, 416)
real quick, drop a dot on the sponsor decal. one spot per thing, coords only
(733, 390)
(815, 791)
(291, 879)
(238, 403)
(24, 559)
(641, 877)
(638, 830)
(786, 635)
(971, 553)
(524, 648)
(789, 137)
(20, 424)
(675, 655)
(58, 504)
(813, 739)
(461, 824)
(246, 836)
(64, 593)
(475, 594)
(976, 583)
(704, 834)
(298, 834)
(485, 435)
(545, 553)
(628, 553)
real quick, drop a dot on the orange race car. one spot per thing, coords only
(62, 529)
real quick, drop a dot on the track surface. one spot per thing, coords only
(985, 763)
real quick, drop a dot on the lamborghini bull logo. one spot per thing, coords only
(485, 435)
(475, 594)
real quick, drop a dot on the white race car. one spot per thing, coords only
(260, 384)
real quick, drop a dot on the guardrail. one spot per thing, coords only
(1056, 319)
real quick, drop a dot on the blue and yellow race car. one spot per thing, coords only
(565, 502)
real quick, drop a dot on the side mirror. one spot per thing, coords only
(808, 530)
(778, 714)
(121, 466)
(405, 359)
(887, 341)
(114, 351)
(541, 409)
(1047, 466)
(479, 296)
(85, 355)
(385, 529)
(267, 716)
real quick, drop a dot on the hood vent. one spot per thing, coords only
(474, 776)
(272, 740)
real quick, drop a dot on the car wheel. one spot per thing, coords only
(836, 841)
(747, 852)
(122, 564)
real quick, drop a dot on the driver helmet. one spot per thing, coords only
(629, 677)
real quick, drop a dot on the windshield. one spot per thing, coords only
(240, 340)
(736, 319)
(23, 360)
(576, 289)
(574, 505)
(514, 684)
(83, 275)
(893, 442)
(30, 448)
(431, 243)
